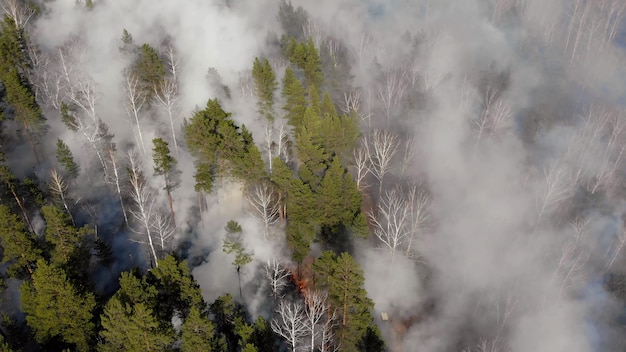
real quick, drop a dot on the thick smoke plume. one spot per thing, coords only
(507, 114)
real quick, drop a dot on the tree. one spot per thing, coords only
(343, 278)
(135, 100)
(166, 94)
(144, 205)
(290, 324)
(165, 164)
(117, 179)
(294, 96)
(233, 245)
(66, 159)
(391, 221)
(381, 148)
(315, 311)
(265, 86)
(264, 205)
(67, 241)
(277, 277)
(19, 247)
(197, 333)
(20, 12)
(55, 308)
(59, 188)
(177, 290)
(132, 328)
(150, 71)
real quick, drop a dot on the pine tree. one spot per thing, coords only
(343, 278)
(294, 96)
(65, 238)
(132, 328)
(19, 247)
(265, 86)
(177, 290)
(165, 164)
(150, 70)
(233, 244)
(66, 159)
(56, 309)
(197, 333)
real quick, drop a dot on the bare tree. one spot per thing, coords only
(58, 187)
(362, 167)
(290, 323)
(390, 92)
(277, 277)
(557, 187)
(382, 147)
(392, 221)
(495, 118)
(19, 11)
(135, 99)
(269, 144)
(418, 201)
(166, 94)
(351, 101)
(115, 178)
(327, 333)
(283, 144)
(616, 248)
(172, 62)
(265, 206)
(143, 200)
(316, 302)
(163, 228)
(408, 155)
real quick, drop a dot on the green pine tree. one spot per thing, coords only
(66, 159)
(19, 247)
(165, 165)
(294, 96)
(55, 309)
(265, 86)
(343, 278)
(197, 333)
(233, 244)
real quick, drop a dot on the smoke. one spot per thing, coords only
(526, 203)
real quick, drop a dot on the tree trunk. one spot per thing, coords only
(171, 204)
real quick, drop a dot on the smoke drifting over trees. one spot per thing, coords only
(410, 175)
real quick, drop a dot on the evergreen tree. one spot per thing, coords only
(343, 278)
(233, 244)
(265, 86)
(165, 164)
(66, 159)
(55, 308)
(177, 290)
(197, 333)
(150, 70)
(19, 247)
(65, 238)
(132, 328)
(294, 96)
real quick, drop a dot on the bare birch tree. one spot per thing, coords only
(277, 277)
(143, 211)
(418, 201)
(316, 303)
(391, 221)
(557, 187)
(495, 118)
(265, 206)
(134, 102)
(58, 187)
(289, 323)
(391, 92)
(362, 167)
(166, 95)
(617, 247)
(116, 179)
(164, 229)
(382, 147)
(19, 11)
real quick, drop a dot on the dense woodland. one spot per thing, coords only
(366, 196)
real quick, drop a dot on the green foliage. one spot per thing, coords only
(164, 163)
(372, 340)
(306, 57)
(177, 290)
(230, 323)
(55, 309)
(127, 38)
(65, 238)
(66, 159)
(132, 328)
(343, 278)
(294, 96)
(197, 333)
(20, 248)
(104, 252)
(265, 86)
(222, 148)
(68, 118)
(292, 20)
(134, 290)
(150, 70)
(233, 245)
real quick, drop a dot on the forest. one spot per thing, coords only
(287, 175)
